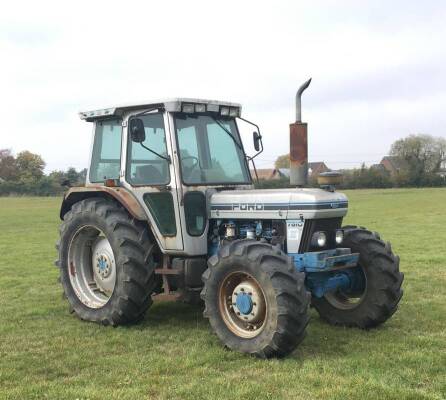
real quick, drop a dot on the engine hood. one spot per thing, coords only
(278, 204)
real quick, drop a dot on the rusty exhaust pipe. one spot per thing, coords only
(299, 144)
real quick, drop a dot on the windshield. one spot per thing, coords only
(210, 150)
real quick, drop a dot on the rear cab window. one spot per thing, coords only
(106, 157)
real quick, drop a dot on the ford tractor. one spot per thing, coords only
(169, 212)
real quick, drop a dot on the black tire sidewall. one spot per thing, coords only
(378, 267)
(366, 265)
(225, 268)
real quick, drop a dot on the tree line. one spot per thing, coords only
(24, 174)
(422, 160)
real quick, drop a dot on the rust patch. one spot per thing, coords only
(166, 297)
(298, 144)
(121, 194)
(168, 271)
(72, 269)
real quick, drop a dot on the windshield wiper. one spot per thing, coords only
(230, 134)
(157, 154)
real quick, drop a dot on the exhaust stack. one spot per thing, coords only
(299, 144)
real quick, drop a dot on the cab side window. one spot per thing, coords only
(145, 167)
(106, 158)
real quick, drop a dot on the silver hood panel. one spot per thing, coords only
(278, 204)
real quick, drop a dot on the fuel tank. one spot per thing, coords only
(295, 203)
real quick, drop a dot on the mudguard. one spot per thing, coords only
(120, 194)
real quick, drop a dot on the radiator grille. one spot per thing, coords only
(328, 225)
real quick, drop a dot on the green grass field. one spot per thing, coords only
(47, 353)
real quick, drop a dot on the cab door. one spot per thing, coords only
(190, 152)
(148, 172)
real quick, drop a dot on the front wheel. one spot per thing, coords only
(381, 291)
(255, 299)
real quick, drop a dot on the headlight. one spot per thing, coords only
(200, 108)
(188, 108)
(233, 112)
(224, 111)
(212, 107)
(319, 239)
(339, 236)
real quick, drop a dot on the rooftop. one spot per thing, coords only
(397, 163)
(171, 105)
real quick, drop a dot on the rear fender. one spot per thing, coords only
(121, 195)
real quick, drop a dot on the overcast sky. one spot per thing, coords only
(378, 69)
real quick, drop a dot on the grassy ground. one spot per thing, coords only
(47, 353)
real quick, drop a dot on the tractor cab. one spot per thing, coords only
(171, 155)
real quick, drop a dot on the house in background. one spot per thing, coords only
(379, 167)
(284, 172)
(394, 165)
(314, 169)
(442, 170)
(266, 173)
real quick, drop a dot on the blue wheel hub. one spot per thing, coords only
(244, 303)
(102, 264)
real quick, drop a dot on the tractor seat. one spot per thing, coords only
(148, 175)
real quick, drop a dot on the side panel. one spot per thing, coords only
(162, 209)
(278, 204)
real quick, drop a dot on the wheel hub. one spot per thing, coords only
(103, 266)
(243, 303)
(104, 263)
(247, 302)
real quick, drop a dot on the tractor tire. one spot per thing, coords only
(279, 301)
(107, 262)
(379, 300)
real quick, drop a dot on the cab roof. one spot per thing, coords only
(170, 105)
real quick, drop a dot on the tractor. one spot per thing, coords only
(169, 212)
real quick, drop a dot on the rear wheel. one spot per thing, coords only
(255, 299)
(107, 263)
(377, 297)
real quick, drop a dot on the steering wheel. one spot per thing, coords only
(193, 166)
(196, 164)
